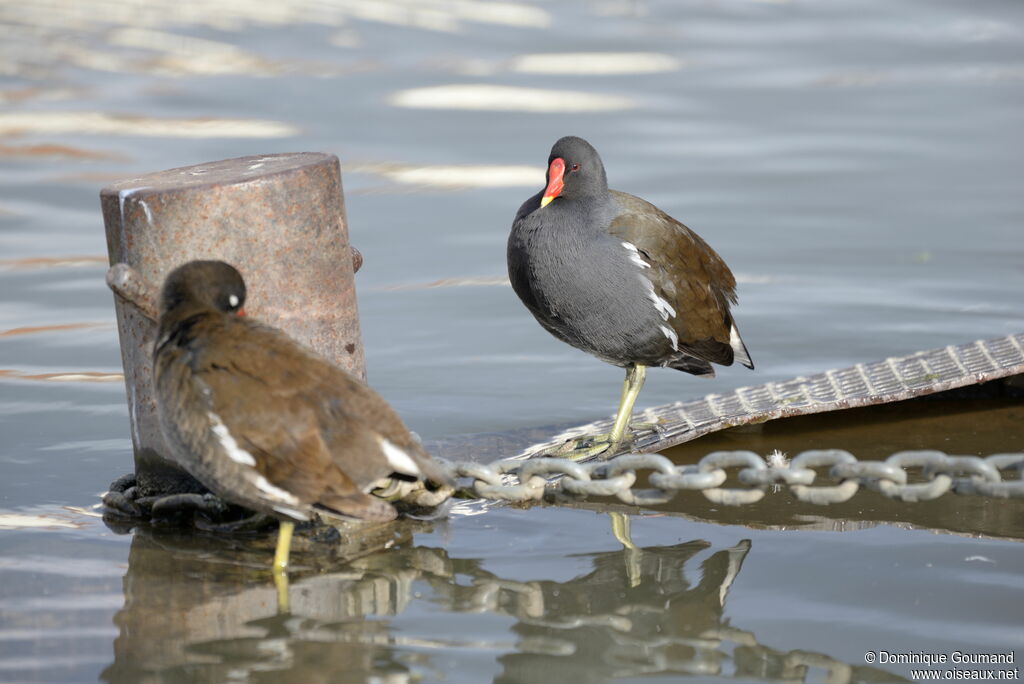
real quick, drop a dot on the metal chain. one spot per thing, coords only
(531, 480)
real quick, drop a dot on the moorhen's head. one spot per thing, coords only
(203, 286)
(574, 170)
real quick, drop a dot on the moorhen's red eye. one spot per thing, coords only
(575, 167)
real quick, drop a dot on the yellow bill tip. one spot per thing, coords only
(545, 201)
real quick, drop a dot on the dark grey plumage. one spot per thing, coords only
(613, 275)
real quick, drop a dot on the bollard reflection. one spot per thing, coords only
(209, 602)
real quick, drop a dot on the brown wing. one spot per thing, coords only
(686, 272)
(313, 402)
(262, 397)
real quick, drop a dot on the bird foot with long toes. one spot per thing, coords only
(581, 448)
(588, 446)
(654, 426)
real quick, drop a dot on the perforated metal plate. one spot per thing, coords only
(865, 384)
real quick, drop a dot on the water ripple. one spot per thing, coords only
(491, 97)
(103, 123)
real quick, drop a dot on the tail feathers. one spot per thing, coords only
(356, 505)
(432, 470)
(693, 365)
(698, 356)
(413, 460)
(739, 350)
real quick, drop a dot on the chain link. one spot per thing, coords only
(804, 465)
(534, 479)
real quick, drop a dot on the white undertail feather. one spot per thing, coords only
(739, 351)
(399, 459)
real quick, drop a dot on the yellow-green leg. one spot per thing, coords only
(631, 555)
(635, 375)
(620, 528)
(280, 569)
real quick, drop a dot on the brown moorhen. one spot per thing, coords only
(264, 422)
(613, 275)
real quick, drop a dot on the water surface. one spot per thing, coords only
(858, 165)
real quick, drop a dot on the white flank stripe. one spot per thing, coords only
(231, 448)
(671, 335)
(243, 457)
(634, 255)
(273, 491)
(660, 304)
(398, 459)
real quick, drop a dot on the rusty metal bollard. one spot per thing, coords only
(279, 219)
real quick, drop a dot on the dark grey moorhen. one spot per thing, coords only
(617, 277)
(264, 422)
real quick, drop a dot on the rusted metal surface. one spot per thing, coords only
(865, 384)
(128, 285)
(280, 219)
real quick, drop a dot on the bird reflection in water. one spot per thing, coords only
(200, 608)
(635, 611)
